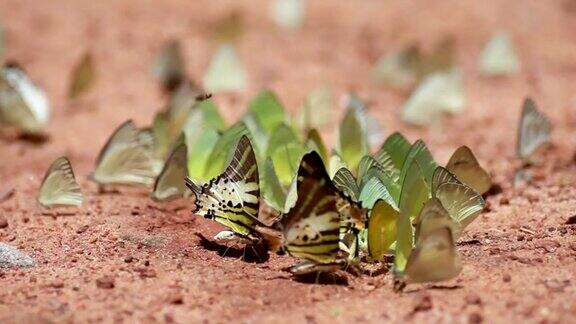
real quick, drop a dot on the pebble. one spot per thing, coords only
(473, 299)
(475, 318)
(10, 257)
(3, 221)
(82, 229)
(175, 298)
(106, 282)
(507, 277)
(57, 284)
(549, 246)
(423, 302)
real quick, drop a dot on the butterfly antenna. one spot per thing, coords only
(193, 187)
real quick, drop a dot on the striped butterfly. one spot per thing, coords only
(315, 228)
(232, 198)
(59, 186)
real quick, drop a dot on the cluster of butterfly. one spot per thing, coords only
(400, 203)
(436, 80)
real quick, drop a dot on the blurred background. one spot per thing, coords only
(337, 43)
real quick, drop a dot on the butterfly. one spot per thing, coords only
(22, 103)
(169, 66)
(225, 71)
(533, 131)
(126, 158)
(83, 76)
(499, 57)
(59, 186)
(170, 183)
(233, 197)
(320, 221)
(434, 258)
(463, 203)
(464, 165)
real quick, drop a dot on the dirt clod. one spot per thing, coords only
(549, 245)
(175, 298)
(82, 229)
(506, 277)
(423, 302)
(3, 221)
(106, 282)
(473, 299)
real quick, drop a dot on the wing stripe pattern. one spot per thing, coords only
(232, 198)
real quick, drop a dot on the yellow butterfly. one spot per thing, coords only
(464, 165)
(434, 257)
(170, 183)
(83, 76)
(59, 186)
(463, 203)
(126, 158)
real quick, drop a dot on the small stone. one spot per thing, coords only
(520, 237)
(57, 284)
(25, 219)
(549, 246)
(473, 299)
(423, 303)
(82, 229)
(106, 282)
(475, 318)
(129, 259)
(507, 277)
(3, 221)
(175, 298)
(571, 220)
(10, 257)
(556, 285)
(146, 272)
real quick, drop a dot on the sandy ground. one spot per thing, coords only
(123, 258)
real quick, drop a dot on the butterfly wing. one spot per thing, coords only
(83, 76)
(170, 182)
(59, 186)
(22, 103)
(434, 257)
(126, 158)
(232, 198)
(311, 228)
(462, 202)
(464, 165)
(533, 131)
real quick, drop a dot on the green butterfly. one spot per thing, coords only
(59, 186)
(232, 198)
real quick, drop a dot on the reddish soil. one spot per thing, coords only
(123, 258)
